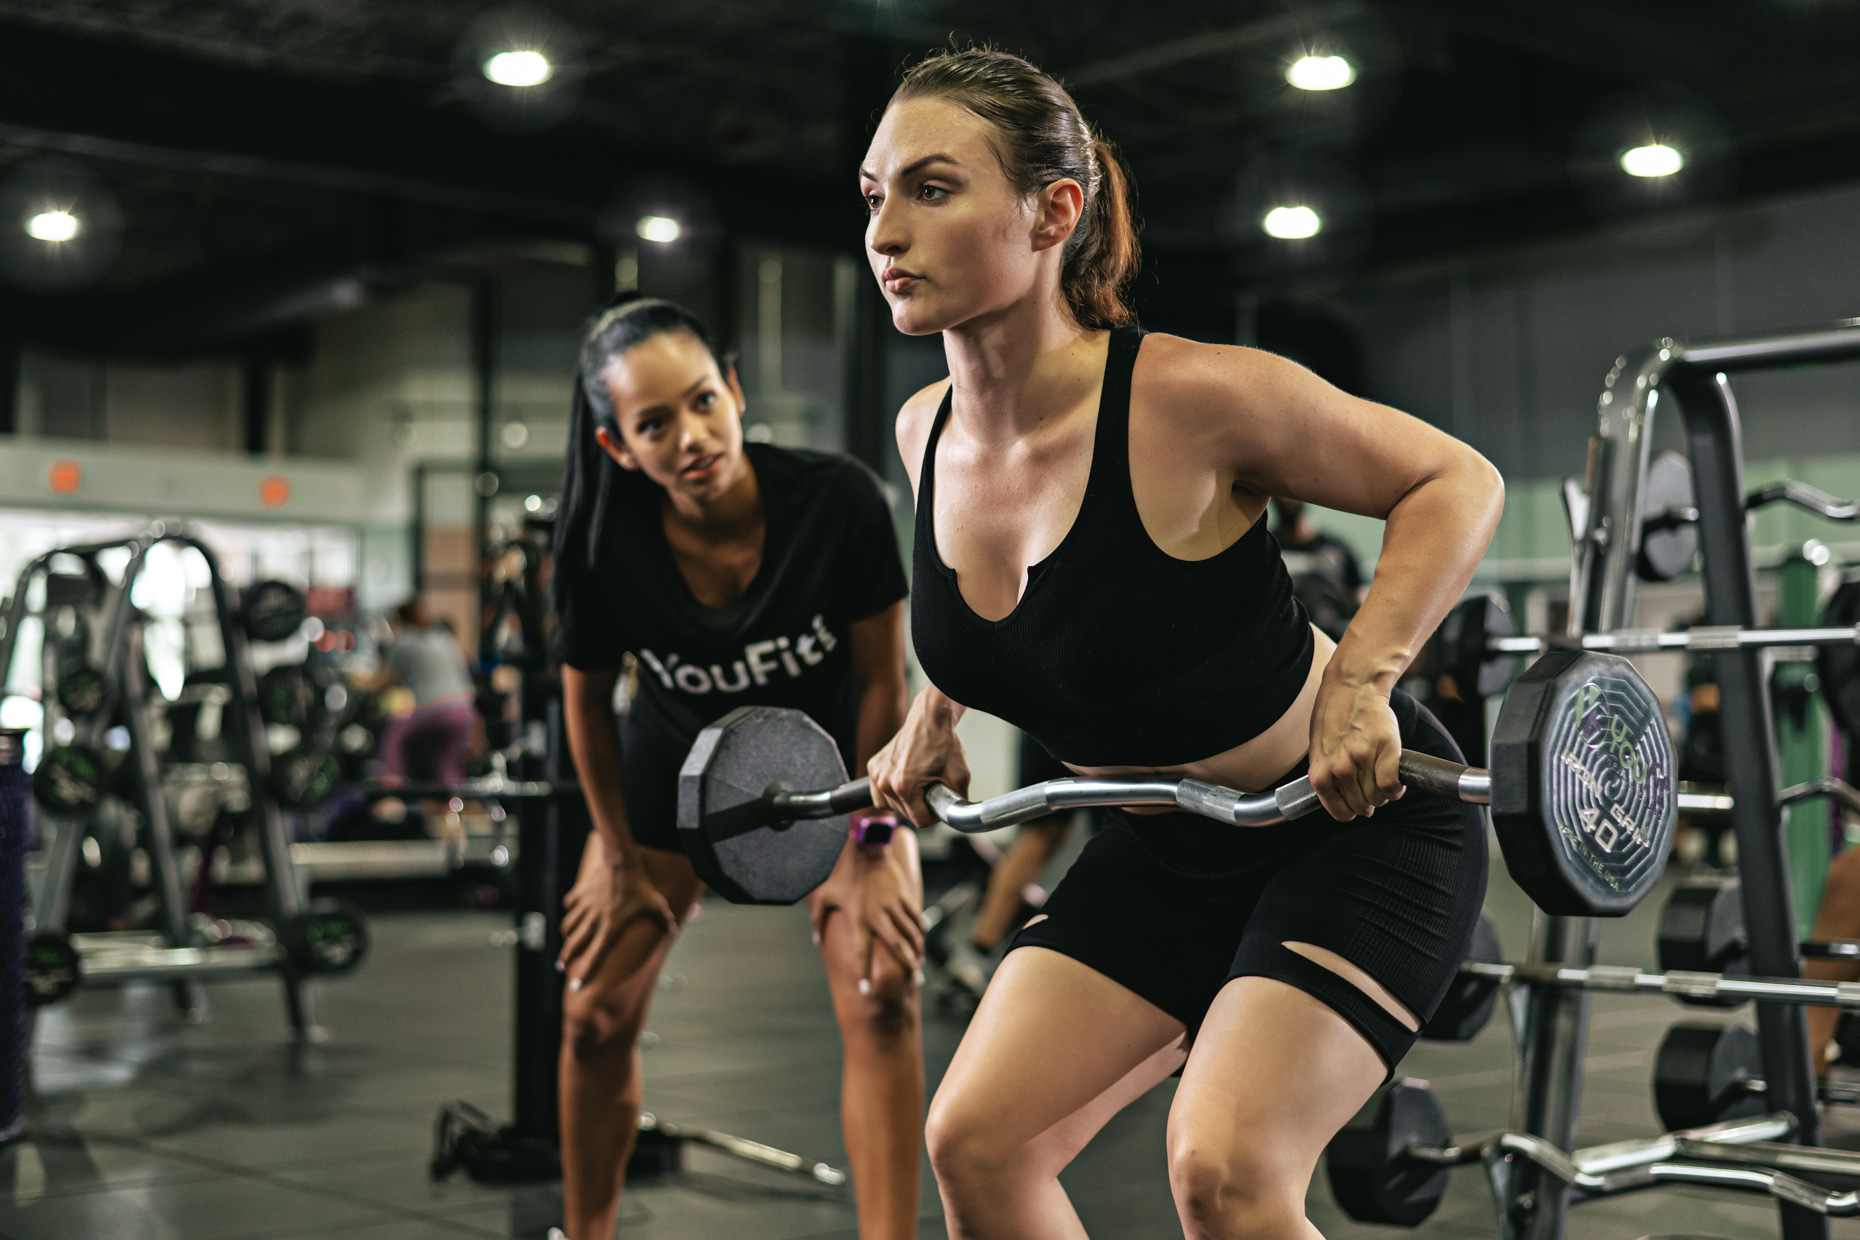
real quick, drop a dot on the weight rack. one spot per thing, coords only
(1608, 519)
(172, 952)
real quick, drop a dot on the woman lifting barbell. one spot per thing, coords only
(1284, 970)
(736, 574)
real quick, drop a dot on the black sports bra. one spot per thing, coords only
(1118, 654)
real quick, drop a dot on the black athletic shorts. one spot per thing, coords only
(1174, 906)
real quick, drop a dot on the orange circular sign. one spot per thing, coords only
(65, 477)
(274, 491)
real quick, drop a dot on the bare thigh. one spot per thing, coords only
(1273, 1075)
(1054, 1050)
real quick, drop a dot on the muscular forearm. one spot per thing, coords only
(1434, 539)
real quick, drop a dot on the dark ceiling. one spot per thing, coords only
(263, 150)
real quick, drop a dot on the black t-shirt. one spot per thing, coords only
(829, 557)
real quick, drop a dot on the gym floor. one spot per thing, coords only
(145, 1128)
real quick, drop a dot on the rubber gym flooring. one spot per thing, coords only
(145, 1128)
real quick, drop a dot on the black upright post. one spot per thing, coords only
(1716, 446)
(484, 312)
(549, 841)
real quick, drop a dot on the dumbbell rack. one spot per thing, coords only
(172, 952)
(1607, 523)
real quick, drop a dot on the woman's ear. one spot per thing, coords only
(736, 390)
(611, 444)
(1057, 211)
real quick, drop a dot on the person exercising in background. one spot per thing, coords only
(433, 740)
(736, 575)
(1325, 576)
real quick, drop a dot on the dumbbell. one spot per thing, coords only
(1706, 1074)
(1581, 789)
(1371, 1173)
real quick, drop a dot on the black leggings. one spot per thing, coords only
(1174, 906)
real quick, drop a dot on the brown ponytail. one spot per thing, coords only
(1042, 138)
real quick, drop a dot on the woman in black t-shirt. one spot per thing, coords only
(736, 574)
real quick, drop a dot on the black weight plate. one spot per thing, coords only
(53, 969)
(1702, 931)
(1467, 1006)
(1666, 549)
(1477, 672)
(291, 694)
(71, 779)
(1702, 1075)
(304, 777)
(1370, 1174)
(331, 936)
(81, 690)
(1839, 666)
(1584, 797)
(272, 611)
(736, 849)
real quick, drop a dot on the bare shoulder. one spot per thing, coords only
(914, 420)
(1197, 381)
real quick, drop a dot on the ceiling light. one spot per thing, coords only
(660, 228)
(519, 68)
(1291, 223)
(52, 226)
(1320, 73)
(1652, 160)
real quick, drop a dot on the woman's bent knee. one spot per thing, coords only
(964, 1142)
(1227, 1193)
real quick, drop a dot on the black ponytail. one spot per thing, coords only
(591, 482)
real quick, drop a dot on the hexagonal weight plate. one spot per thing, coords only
(737, 846)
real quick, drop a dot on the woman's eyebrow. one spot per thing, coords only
(915, 166)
